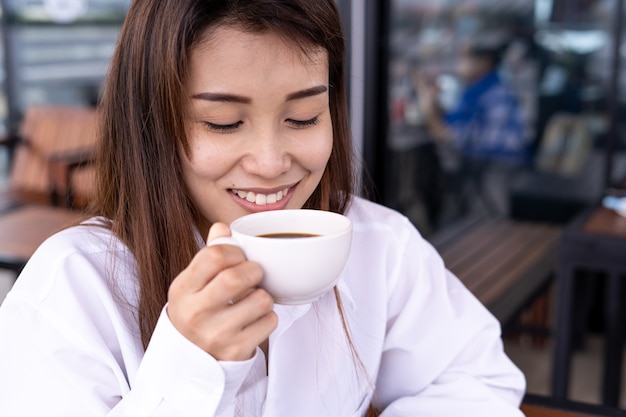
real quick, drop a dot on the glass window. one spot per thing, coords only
(58, 51)
(462, 94)
(499, 108)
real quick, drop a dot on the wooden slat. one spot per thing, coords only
(538, 411)
(505, 252)
(506, 246)
(52, 129)
(29, 171)
(473, 244)
(47, 132)
(542, 251)
(9, 199)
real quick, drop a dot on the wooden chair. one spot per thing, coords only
(53, 142)
(21, 190)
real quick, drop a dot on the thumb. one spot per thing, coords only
(218, 230)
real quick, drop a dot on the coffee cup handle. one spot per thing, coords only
(224, 240)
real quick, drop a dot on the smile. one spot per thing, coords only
(261, 199)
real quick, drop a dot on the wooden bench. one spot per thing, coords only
(504, 263)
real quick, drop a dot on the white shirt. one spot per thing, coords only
(70, 343)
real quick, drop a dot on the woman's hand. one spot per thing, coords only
(427, 94)
(428, 102)
(215, 302)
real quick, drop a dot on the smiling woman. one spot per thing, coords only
(214, 109)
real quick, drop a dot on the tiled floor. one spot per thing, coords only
(586, 368)
(586, 373)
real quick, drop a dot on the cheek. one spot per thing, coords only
(315, 156)
(206, 162)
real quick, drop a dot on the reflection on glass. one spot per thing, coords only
(555, 62)
(448, 59)
(65, 11)
(59, 51)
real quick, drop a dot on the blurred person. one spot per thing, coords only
(487, 121)
(485, 127)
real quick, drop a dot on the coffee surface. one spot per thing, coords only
(288, 235)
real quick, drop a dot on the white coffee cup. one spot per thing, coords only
(297, 270)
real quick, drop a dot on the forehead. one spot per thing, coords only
(231, 46)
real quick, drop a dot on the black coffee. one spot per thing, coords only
(288, 235)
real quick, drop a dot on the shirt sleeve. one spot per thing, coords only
(178, 378)
(49, 368)
(443, 353)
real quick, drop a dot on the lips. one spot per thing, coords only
(261, 199)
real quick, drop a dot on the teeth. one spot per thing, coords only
(261, 199)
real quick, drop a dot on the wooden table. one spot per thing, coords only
(539, 406)
(23, 229)
(596, 240)
(540, 411)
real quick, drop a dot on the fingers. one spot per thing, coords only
(259, 331)
(227, 332)
(233, 284)
(198, 301)
(236, 344)
(252, 307)
(218, 230)
(251, 320)
(209, 261)
(207, 264)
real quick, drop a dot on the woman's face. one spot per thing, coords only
(259, 126)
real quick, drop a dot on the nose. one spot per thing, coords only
(268, 156)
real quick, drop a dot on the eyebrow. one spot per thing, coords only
(227, 98)
(309, 92)
(233, 98)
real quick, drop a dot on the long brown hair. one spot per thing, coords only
(139, 183)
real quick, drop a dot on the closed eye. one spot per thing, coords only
(302, 124)
(229, 128)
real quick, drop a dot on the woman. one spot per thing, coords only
(214, 109)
